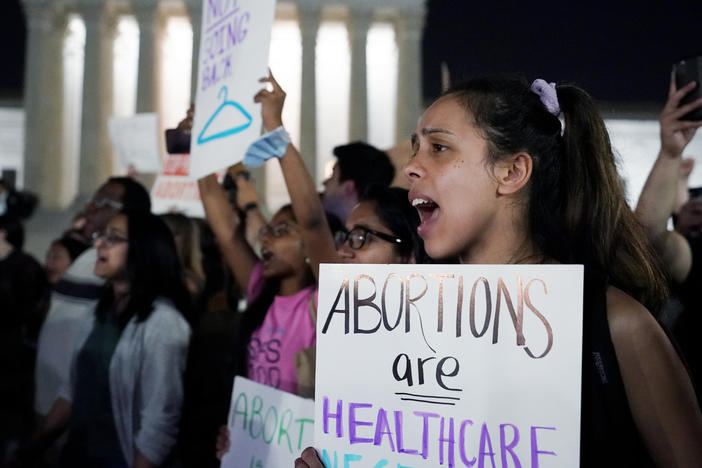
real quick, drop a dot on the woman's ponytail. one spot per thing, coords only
(604, 233)
(577, 208)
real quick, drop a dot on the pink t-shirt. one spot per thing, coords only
(286, 329)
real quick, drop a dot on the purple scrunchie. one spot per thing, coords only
(547, 94)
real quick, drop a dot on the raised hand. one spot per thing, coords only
(677, 133)
(222, 442)
(271, 103)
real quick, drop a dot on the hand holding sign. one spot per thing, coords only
(223, 444)
(309, 459)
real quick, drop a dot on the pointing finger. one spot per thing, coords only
(273, 81)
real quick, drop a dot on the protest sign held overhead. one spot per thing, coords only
(175, 191)
(233, 56)
(449, 365)
(135, 140)
(267, 427)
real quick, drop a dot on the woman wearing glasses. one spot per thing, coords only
(122, 404)
(279, 289)
(380, 229)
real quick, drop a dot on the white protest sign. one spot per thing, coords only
(233, 56)
(135, 141)
(175, 191)
(267, 427)
(449, 365)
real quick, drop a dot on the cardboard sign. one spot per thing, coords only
(449, 365)
(233, 56)
(135, 141)
(267, 427)
(175, 191)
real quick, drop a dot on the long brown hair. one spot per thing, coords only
(577, 209)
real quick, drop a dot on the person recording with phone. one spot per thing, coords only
(680, 249)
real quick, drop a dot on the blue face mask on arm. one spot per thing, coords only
(271, 145)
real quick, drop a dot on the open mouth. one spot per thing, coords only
(428, 211)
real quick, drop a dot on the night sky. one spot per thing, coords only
(618, 53)
(12, 44)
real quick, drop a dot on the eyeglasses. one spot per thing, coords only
(357, 237)
(104, 202)
(108, 239)
(278, 230)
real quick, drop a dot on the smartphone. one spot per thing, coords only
(695, 192)
(177, 141)
(687, 70)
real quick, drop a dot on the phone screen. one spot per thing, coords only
(687, 70)
(695, 192)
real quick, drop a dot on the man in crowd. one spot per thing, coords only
(358, 166)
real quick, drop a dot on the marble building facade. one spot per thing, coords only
(46, 164)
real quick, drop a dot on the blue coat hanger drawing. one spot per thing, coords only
(203, 138)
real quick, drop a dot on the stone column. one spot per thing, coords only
(95, 146)
(309, 18)
(408, 30)
(195, 12)
(148, 75)
(43, 103)
(359, 22)
(38, 19)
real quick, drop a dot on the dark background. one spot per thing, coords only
(12, 45)
(620, 52)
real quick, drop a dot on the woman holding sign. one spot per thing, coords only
(496, 179)
(382, 228)
(279, 288)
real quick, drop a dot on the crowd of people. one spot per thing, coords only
(122, 350)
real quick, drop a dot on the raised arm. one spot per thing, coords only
(657, 386)
(657, 200)
(248, 204)
(304, 198)
(238, 254)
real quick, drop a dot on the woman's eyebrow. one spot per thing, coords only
(363, 227)
(429, 131)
